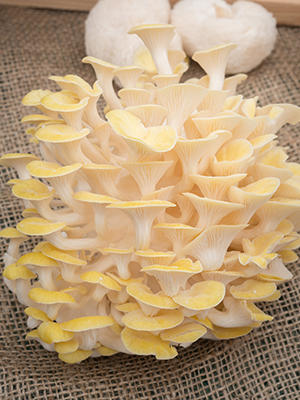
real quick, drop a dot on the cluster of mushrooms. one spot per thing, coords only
(165, 222)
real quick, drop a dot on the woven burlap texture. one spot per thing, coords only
(265, 364)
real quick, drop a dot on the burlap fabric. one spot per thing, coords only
(265, 364)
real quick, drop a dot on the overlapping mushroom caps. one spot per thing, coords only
(161, 224)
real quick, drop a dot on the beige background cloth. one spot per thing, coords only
(265, 364)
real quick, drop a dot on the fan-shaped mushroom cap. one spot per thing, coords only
(230, 333)
(211, 211)
(157, 38)
(33, 99)
(60, 134)
(147, 174)
(216, 187)
(37, 259)
(206, 125)
(104, 283)
(201, 296)
(32, 189)
(252, 289)
(65, 256)
(179, 234)
(43, 169)
(43, 296)
(36, 314)
(75, 357)
(14, 271)
(144, 343)
(214, 101)
(186, 333)
(86, 323)
(36, 119)
(70, 346)
(151, 257)
(224, 277)
(128, 75)
(134, 96)
(16, 239)
(164, 319)
(142, 214)
(19, 162)
(51, 332)
(121, 258)
(173, 277)
(166, 80)
(211, 245)
(104, 72)
(233, 158)
(150, 303)
(142, 140)
(67, 106)
(214, 61)
(149, 114)
(39, 226)
(180, 100)
(232, 82)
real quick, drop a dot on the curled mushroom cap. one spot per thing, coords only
(145, 343)
(19, 162)
(142, 140)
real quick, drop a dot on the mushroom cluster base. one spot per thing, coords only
(168, 221)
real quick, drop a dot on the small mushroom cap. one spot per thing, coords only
(230, 333)
(12, 182)
(43, 169)
(141, 204)
(51, 332)
(124, 282)
(32, 189)
(75, 357)
(30, 213)
(106, 351)
(8, 160)
(65, 256)
(184, 333)
(37, 314)
(113, 250)
(36, 119)
(164, 319)
(94, 198)
(101, 279)
(145, 343)
(60, 101)
(156, 257)
(43, 296)
(34, 97)
(127, 307)
(12, 233)
(60, 133)
(86, 323)
(37, 258)
(14, 271)
(39, 226)
(252, 289)
(143, 294)
(201, 295)
(66, 347)
(158, 138)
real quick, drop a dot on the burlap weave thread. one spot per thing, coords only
(265, 364)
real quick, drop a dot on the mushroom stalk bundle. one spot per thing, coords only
(165, 222)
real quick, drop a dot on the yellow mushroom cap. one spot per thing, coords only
(35, 119)
(127, 307)
(94, 198)
(65, 256)
(101, 279)
(60, 133)
(14, 271)
(158, 138)
(201, 296)
(43, 296)
(43, 169)
(164, 319)
(8, 160)
(156, 257)
(106, 351)
(252, 289)
(145, 343)
(34, 97)
(32, 189)
(63, 102)
(37, 258)
(37, 314)
(12, 233)
(184, 333)
(144, 295)
(86, 323)
(230, 333)
(39, 226)
(51, 332)
(66, 347)
(75, 357)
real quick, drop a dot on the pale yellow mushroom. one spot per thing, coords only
(33, 99)
(157, 39)
(19, 162)
(132, 97)
(16, 238)
(121, 258)
(206, 125)
(149, 114)
(214, 61)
